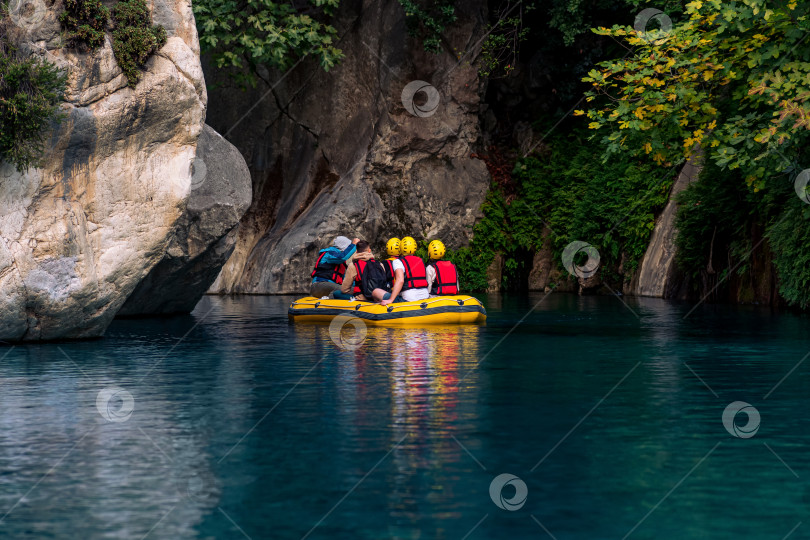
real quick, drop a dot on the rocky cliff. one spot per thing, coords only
(78, 233)
(364, 150)
(205, 235)
(657, 275)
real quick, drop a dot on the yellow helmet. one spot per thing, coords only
(392, 247)
(407, 246)
(436, 250)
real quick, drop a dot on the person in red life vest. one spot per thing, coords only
(330, 267)
(442, 276)
(354, 273)
(410, 277)
(393, 250)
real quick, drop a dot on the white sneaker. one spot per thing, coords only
(324, 298)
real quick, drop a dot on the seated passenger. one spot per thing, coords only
(354, 274)
(410, 276)
(442, 276)
(393, 250)
(330, 267)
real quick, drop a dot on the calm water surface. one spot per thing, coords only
(250, 427)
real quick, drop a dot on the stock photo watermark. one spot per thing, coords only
(348, 332)
(115, 404)
(503, 483)
(27, 14)
(420, 98)
(199, 171)
(751, 426)
(573, 255)
(647, 18)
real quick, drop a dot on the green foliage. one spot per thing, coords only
(428, 20)
(134, 37)
(714, 222)
(84, 22)
(471, 265)
(789, 238)
(30, 92)
(734, 79)
(472, 268)
(501, 48)
(572, 18)
(611, 206)
(717, 215)
(244, 33)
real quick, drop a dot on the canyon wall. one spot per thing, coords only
(81, 230)
(364, 150)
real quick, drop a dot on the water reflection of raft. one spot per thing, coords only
(440, 310)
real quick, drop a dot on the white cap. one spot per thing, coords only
(341, 242)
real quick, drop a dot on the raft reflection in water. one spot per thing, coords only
(400, 389)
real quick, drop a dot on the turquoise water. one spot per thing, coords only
(249, 427)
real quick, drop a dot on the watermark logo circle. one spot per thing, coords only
(514, 503)
(198, 173)
(800, 185)
(423, 110)
(355, 340)
(570, 253)
(27, 13)
(115, 404)
(730, 415)
(643, 19)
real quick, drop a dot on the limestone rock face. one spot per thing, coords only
(362, 150)
(657, 271)
(78, 233)
(204, 237)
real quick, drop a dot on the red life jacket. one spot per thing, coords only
(415, 272)
(332, 272)
(389, 270)
(446, 282)
(360, 266)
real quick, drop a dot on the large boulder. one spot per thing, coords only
(204, 237)
(356, 151)
(79, 232)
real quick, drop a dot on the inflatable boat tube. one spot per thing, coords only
(438, 310)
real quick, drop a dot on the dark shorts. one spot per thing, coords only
(320, 289)
(387, 295)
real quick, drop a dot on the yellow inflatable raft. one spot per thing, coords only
(439, 310)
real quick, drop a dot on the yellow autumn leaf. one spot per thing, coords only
(579, 112)
(594, 125)
(712, 125)
(647, 148)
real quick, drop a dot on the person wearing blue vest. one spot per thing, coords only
(330, 267)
